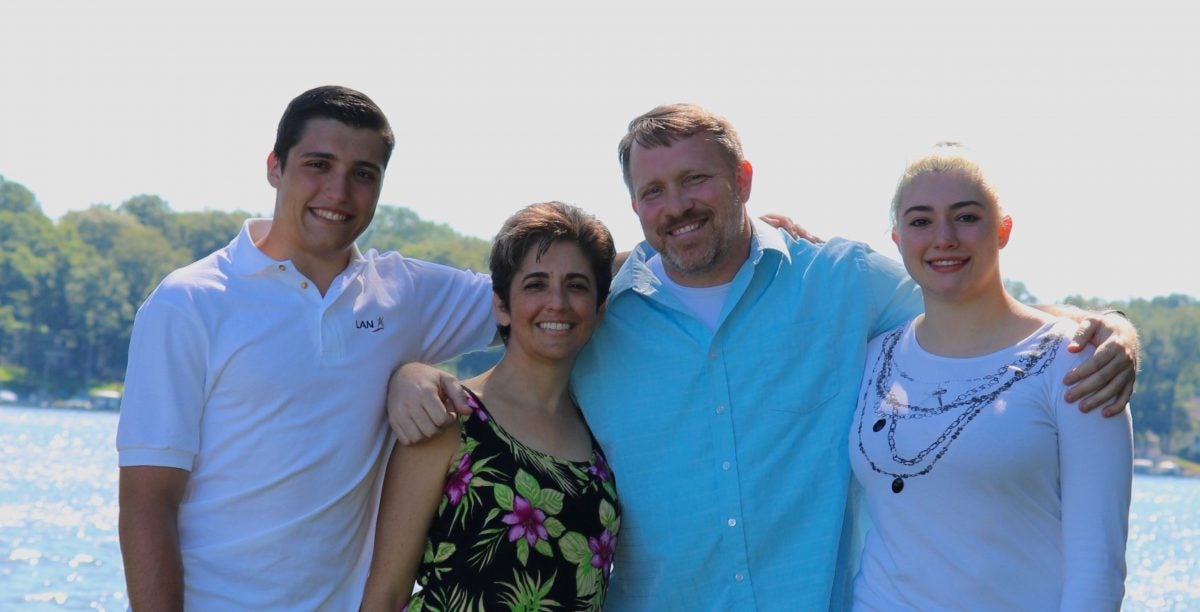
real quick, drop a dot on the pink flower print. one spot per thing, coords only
(456, 485)
(600, 469)
(526, 521)
(602, 550)
(476, 408)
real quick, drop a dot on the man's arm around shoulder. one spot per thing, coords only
(148, 526)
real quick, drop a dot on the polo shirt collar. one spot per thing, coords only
(636, 274)
(248, 259)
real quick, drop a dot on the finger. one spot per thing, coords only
(1105, 395)
(1083, 335)
(436, 411)
(1091, 376)
(1103, 357)
(454, 397)
(1122, 402)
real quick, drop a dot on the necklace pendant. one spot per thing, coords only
(879, 424)
(897, 485)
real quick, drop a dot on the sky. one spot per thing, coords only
(1084, 112)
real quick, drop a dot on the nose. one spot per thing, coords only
(337, 187)
(558, 299)
(946, 236)
(678, 202)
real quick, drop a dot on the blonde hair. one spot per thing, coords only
(946, 155)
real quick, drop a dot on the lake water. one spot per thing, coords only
(58, 521)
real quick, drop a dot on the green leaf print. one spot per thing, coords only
(504, 496)
(523, 551)
(549, 501)
(528, 594)
(608, 515)
(445, 549)
(527, 486)
(575, 548)
(554, 526)
(586, 579)
(543, 547)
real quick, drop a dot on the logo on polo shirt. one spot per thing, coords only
(374, 326)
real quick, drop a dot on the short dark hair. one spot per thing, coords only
(663, 125)
(540, 226)
(343, 104)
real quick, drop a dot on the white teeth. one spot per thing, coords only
(555, 326)
(945, 262)
(685, 229)
(329, 214)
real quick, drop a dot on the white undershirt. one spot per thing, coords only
(705, 303)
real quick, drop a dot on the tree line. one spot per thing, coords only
(69, 290)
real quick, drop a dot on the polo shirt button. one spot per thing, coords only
(720, 409)
(739, 577)
(282, 267)
(725, 466)
(732, 522)
(712, 355)
(304, 285)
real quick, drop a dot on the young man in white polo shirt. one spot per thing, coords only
(253, 425)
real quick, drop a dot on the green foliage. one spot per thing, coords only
(400, 229)
(1166, 400)
(70, 289)
(14, 197)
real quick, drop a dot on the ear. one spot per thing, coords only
(1005, 230)
(274, 170)
(895, 237)
(745, 178)
(502, 316)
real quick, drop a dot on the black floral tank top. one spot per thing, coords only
(518, 529)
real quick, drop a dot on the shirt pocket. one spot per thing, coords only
(796, 368)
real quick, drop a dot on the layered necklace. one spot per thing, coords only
(891, 410)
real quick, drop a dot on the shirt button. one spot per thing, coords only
(304, 285)
(725, 466)
(720, 409)
(732, 522)
(282, 267)
(712, 355)
(739, 577)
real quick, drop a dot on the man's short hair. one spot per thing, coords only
(536, 228)
(343, 104)
(663, 125)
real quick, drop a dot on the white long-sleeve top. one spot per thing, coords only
(985, 489)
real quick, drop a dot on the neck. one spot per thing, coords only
(975, 326)
(537, 386)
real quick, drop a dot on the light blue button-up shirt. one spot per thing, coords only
(730, 447)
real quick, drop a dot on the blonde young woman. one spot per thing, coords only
(986, 490)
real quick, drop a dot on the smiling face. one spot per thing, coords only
(950, 232)
(326, 195)
(691, 204)
(552, 308)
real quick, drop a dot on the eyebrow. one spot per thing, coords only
(331, 157)
(954, 206)
(570, 276)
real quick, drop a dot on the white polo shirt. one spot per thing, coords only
(272, 396)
